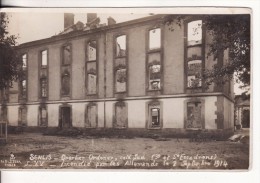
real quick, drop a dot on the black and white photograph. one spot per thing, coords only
(117, 88)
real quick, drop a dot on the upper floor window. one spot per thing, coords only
(194, 54)
(155, 39)
(44, 58)
(92, 51)
(194, 33)
(92, 83)
(121, 46)
(23, 88)
(65, 82)
(43, 87)
(121, 79)
(155, 77)
(24, 60)
(66, 55)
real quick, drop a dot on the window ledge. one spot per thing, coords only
(155, 128)
(154, 50)
(120, 57)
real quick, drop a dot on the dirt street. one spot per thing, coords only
(36, 151)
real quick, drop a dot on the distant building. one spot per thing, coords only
(132, 75)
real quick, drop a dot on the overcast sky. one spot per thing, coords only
(35, 26)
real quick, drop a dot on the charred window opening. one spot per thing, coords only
(43, 120)
(121, 46)
(155, 39)
(24, 61)
(66, 55)
(195, 33)
(22, 116)
(155, 115)
(120, 115)
(194, 115)
(155, 77)
(92, 83)
(121, 80)
(92, 51)
(3, 114)
(44, 58)
(91, 116)
(23, 87)
(66, 84)
(194, 54)
(91, 77)
(44, 88)
(194, 73)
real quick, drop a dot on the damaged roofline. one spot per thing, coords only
(91, 31)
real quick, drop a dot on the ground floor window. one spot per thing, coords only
(43, 120)
(120, 115)
(194, 119)
(22, 117)
(91, 116)
(3, 114)
(154, 112)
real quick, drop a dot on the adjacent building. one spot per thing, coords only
(140, 75)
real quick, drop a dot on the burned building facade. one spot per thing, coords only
(135, 75)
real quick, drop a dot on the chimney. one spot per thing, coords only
(68, 20)
(91, 17)
(111, 21)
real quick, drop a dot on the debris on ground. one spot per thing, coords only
(239, 138)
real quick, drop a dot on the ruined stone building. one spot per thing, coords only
(134, 75)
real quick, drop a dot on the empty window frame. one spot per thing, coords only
(120, 115)
(155, 39)
(194, 73)
(44, 58)
(65, 85)
(43, 87)
(194, 33)
(155, 77)
(24, 61)
(22, 116)
(91, 116)
(154, 115)
(92, 83)
(121, 80)
(23, 88)
(194, 115)
(3, 114)
(66, 55)
(91, 51)
(121, 46)
(43, 119)
(194, 54)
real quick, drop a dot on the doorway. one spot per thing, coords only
(65, 117)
